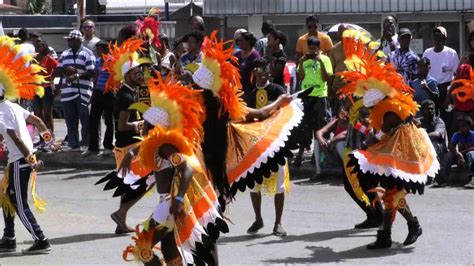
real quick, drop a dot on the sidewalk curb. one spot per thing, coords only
(74, 160)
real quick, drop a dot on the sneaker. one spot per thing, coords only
(39, 247)
(105, 153)
(470, 185)
(86, 153)
(253, 229)
(7, 244)
(279, 231)
(69, 149)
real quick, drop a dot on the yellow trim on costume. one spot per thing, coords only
(354, 179)
(5, 201)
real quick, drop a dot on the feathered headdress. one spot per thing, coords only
(18, 77)
(176, 114)
(378, 84)
(119, 59)
(464, 88)
(218, 74)
(149, 27)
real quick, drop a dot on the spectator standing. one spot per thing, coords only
(337, 57)
(276, 56)
(90, 40)
(425, 86)
(469, 49)
(43, 107)
(436, 130)
(196, 23)
(36, 37)
(444, 62)
(77, 69)
(246, 58)
(189, 61)
(237, 34)
(462, 146)
(404, 59)
(389, 40)
(314, 70)
(262, 44)
(167, 58)
(312, 26)
(26, 47)
(102, 105)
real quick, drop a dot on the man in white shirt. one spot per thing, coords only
(21, 163)
(444, 62)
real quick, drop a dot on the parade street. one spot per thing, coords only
(319, 218)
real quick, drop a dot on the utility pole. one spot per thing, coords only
(81, 12)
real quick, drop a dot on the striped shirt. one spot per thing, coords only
(102, 76)
(83, 61)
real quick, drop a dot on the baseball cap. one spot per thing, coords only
(404, 31)
(74, 34)
(238, 32)
(442, 30)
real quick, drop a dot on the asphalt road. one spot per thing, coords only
(318, 217)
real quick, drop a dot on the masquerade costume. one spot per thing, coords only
(404, 157)
(357, 133)
(175, 115)
(19, 79)
(118, 62)
(238, 153)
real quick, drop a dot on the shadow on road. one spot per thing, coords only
(82, 238)
(312, 237)
(78, 238)
(8, 255)
(327, 254)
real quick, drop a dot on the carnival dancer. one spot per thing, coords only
(241, 145)
(20, 80)
(187, 215)
(404, 157)
(358, 133)
(126, 75)
(264, 93)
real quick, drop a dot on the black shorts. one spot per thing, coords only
(46, 101)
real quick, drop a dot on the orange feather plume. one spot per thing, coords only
(18, 76)
(464, 88)
(182, 103)
(226, 84)
(117, 56)
(363, 64)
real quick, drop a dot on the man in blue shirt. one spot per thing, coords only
(102, 104)
(404, 59)
(425, 86)
(77, 69)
